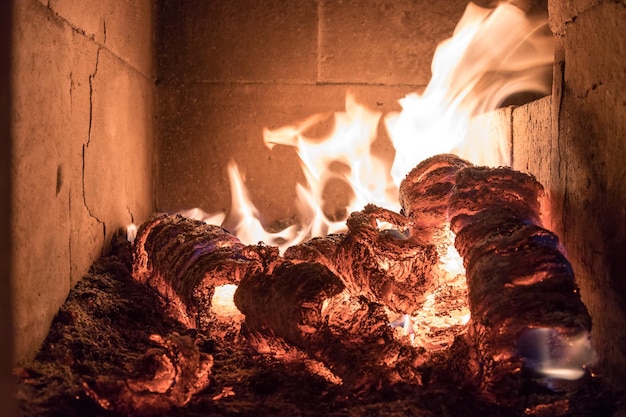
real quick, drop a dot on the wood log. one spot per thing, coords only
(517, 275)
(310, 307)
(384, 266)
(301, 302)
(326, 296)
(424, 193)
(185, 259)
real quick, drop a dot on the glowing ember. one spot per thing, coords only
(222, 303)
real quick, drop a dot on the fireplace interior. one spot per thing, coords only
(113, 111)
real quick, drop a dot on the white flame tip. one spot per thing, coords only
(131, 232)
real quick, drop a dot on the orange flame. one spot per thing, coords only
(493, 54)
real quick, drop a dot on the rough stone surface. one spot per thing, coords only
(532, 129)
(118, 188)
(202, 128)
(532, 146)
(563, 13)
(40, 155)
(65, 107)
(114, 24)
(222, 41)
(383, 42)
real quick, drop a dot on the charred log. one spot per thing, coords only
(327, 296)
(425, 191)
(309, 306)
(518, 278)
(384, 266)
(185, 259)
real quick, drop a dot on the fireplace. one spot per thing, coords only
(119, 110)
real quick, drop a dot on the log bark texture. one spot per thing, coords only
(326, 296)
(517, 275)
(185, 259)
(385, 266)
(425, 191)
(310, 307)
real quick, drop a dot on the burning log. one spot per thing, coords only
(304, 303)
(425, 191)
(309, 306)
(184, 260)
(328, 296)
(517, 276)
(385, 266)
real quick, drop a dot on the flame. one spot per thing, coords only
(493, 54)
(349, 146)
(131, 232)
(246, 218)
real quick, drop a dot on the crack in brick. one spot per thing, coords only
(91, 78)
(88, 142)
(71, 90)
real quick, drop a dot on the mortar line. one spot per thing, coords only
(318, 75)
(291, 82)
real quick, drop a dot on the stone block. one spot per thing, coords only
(124, 27)
(238, 41)
(383, 42)
(533, 144)
(564, 12)
(40, 235)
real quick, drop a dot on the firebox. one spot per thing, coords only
(122, 109)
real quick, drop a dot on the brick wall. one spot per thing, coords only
(83, 112)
